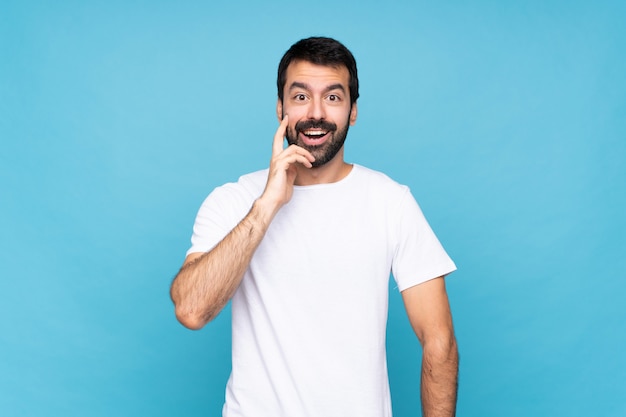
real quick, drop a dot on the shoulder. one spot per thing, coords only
(240, 193)
(254, 180)
(379, 182)
(250, 183)
(368, 174)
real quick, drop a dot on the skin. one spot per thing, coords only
(429, 314)
(314, 92)
(207, 281)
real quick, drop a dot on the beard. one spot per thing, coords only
(326, 151)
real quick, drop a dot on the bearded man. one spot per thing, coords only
(304, 249)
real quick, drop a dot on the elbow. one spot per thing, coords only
(191, 319)
(191, 313)
(441, 348)
(185, 313)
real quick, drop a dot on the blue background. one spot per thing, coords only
(507, 119)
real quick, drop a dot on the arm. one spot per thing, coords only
(429, 313)
(208, 280)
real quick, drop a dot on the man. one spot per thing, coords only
(304, 250)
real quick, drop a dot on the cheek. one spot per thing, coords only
(291, 129)
(295, 112)
(293, 120)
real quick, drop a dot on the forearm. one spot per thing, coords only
(439, 379)
(204, 286)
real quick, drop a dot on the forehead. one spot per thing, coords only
(316, 76)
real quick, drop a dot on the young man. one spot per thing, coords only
(304, 249)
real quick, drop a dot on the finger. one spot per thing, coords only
(286, 161)
(279, 137)
(294, 154)
(301, 151)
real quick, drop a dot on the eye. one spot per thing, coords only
(299, 97)
(334, 97)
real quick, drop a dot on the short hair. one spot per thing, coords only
(319, 51)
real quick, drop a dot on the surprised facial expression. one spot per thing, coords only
(317, 100)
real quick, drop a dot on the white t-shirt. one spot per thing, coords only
(309, 317)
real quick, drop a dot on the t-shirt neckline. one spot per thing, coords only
(339, 183)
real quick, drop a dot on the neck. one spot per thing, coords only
(334, 170)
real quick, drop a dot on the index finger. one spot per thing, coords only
(279, 137)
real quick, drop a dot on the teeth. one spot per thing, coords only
(314, 133)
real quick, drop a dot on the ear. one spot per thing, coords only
(353, 114)
(279, 110)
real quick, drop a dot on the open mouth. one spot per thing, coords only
(314, 137)
(315, 133)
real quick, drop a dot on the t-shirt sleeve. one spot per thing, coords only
(220, 212)
(419, 256)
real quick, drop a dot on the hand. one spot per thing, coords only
(284, 168)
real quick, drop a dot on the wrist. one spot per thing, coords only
(263, 211)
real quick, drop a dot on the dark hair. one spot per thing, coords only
(319, 51)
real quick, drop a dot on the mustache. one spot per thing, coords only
(315, 124)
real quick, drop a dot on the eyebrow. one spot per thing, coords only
(297, 84)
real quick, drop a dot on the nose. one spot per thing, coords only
(316, 110)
